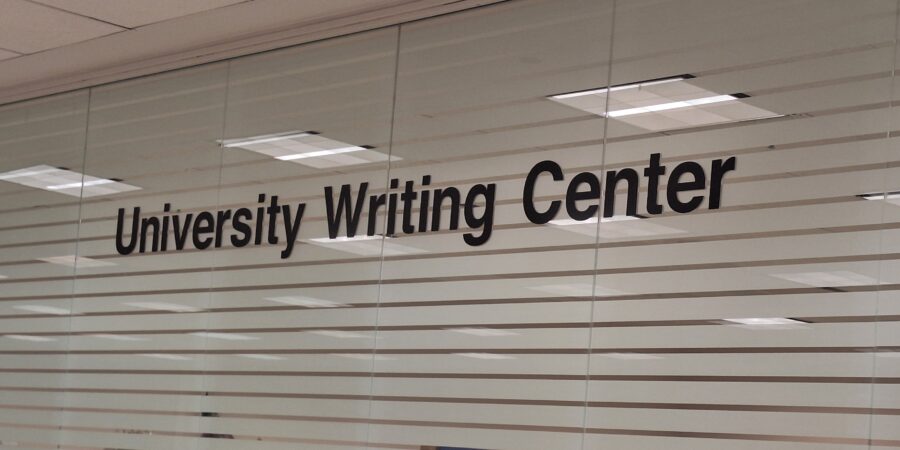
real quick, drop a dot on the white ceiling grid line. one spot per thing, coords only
(52, 46)
(27, 27)
(137, 13)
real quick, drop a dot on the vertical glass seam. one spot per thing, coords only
(590, 337)
(883, 204)
(67, 359)
(204, 364)
(387, 182)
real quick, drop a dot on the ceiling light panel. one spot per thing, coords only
(664, 104)
(65, 181)
(224, 336)
(767, 323)
(615, 227)
(29, 338)
(80, 262)
(882, 195)
(308, 148)
(828, 279)
(892, 197)
(366, 245)
(762, 321)
(308, 302)
(44, 309)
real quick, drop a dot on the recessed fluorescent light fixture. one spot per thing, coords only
(766, 321)
(338, 239)
(308, 302)
(162, 306)
(622, 87)
(60, 187)
(828, 279)
(265, 139)
(25, 337)
(615, 227)
(80, 262)
(569, 222)
(65, 181)
(42, 309)
(664, 104)
(225, 336)
(674, 105)
(336, 151)
(572, 222)
(881, 195)
(308, 148)
(366, 245)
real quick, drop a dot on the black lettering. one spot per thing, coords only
(165, 229)
(375, 202)
(719, 169)
(181, 232)
(407, 197)
(222, 216)
(573, 195)
(145, 225)
(612, 181)
(273, 211)
(486, 221)
(676, 185)
(241, 227)
(652, 172)
(423, 205)
(203, 224)
(259, 219)
(291, 227)
(120, 247)
(392, 209)
(528, 194)
(439, 195)
(343, 206)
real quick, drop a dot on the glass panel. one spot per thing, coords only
(722, 275)
(482, 327)
(886, 389)
(748, 326)
(37, 224)
(137, 355)
(303, 305)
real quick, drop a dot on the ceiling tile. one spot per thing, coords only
(135, 13)
(27, 27)
(6, 54)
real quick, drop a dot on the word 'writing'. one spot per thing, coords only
(420, 208)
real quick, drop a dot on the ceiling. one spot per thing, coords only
(49, 46)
